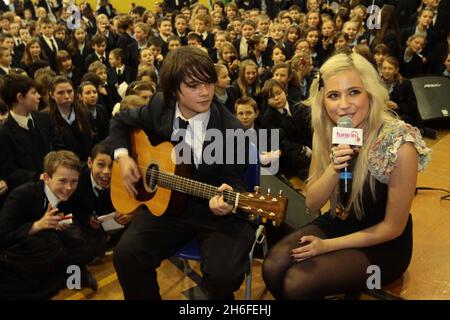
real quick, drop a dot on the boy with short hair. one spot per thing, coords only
(26, 135)
(92, 198)
(37, 245)
(98, 43)
(49, 45)
(5, 61)
(111, 91)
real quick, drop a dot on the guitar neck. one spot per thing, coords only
(192, 187)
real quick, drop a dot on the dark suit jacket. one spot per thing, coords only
(93, 57)
(132, 55)
(124, 40)
(295, 133)
(157, 120)
(25, 205)
(51, 56)
(20, 159)
(85, 202)
(79, 58)
(128, 75)
(403, 95)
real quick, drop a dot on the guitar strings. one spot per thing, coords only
(213, 190)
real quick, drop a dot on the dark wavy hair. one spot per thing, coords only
(182, 65)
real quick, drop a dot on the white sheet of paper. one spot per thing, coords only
(108, 222)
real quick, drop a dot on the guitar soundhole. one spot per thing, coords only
(151, 178)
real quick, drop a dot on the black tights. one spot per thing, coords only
(335, 272)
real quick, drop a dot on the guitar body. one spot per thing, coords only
(156, 199)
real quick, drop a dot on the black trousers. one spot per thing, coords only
(225, 244)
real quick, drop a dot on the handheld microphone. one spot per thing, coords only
(346, 175)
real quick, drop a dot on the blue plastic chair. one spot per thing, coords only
(191, 251)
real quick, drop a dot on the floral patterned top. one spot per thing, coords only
(383, 152)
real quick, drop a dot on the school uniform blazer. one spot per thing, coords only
(403, 95)
(84, 202)
(128, 75)
(20, 160)
(25, 205)
(93, 57)
(157, 118)
(132, 55)
(124, 40)
(51, 56)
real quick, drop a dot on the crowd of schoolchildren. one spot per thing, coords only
(61, 82)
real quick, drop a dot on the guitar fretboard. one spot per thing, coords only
(192, 187)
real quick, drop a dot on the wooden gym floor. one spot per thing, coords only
(428, 275)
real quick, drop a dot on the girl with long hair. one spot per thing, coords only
(370, 225)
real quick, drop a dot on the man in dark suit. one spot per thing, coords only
(187, 80)
(37, 246)
(25, 137)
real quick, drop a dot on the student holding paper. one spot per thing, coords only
(333, 254)
(36, 247)
(92, 198)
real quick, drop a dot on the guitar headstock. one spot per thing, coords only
(266, 206)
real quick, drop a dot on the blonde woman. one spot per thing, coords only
(332, 254)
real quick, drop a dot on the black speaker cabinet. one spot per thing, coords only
(433, 97)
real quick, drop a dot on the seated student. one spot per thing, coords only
(143, 89)
(36, 247)
(173, 42)
(119, 72)
(26, 135)
(66, 68)
(87, 99)
(195, 40)
(92, 198)
(248, 83)
(165, 30)
(130, 102)
(98, 43)
(222, 85)
(380, 52)
(4, 111)
(181, 28)
(5, 61)
(412, 62)
(284, 115)
(42, 78)
(141, 31)
(446, 72)
(33, 57)
(49, 44)
(112, 96)
(402, 99)
(72, 124)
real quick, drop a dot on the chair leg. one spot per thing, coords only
(260, 238)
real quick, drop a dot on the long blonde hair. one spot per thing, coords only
(322, 123)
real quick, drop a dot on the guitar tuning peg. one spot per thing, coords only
(268, 191)
(256, 189)
(280, 193)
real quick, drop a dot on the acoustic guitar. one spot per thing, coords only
(164, 185)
